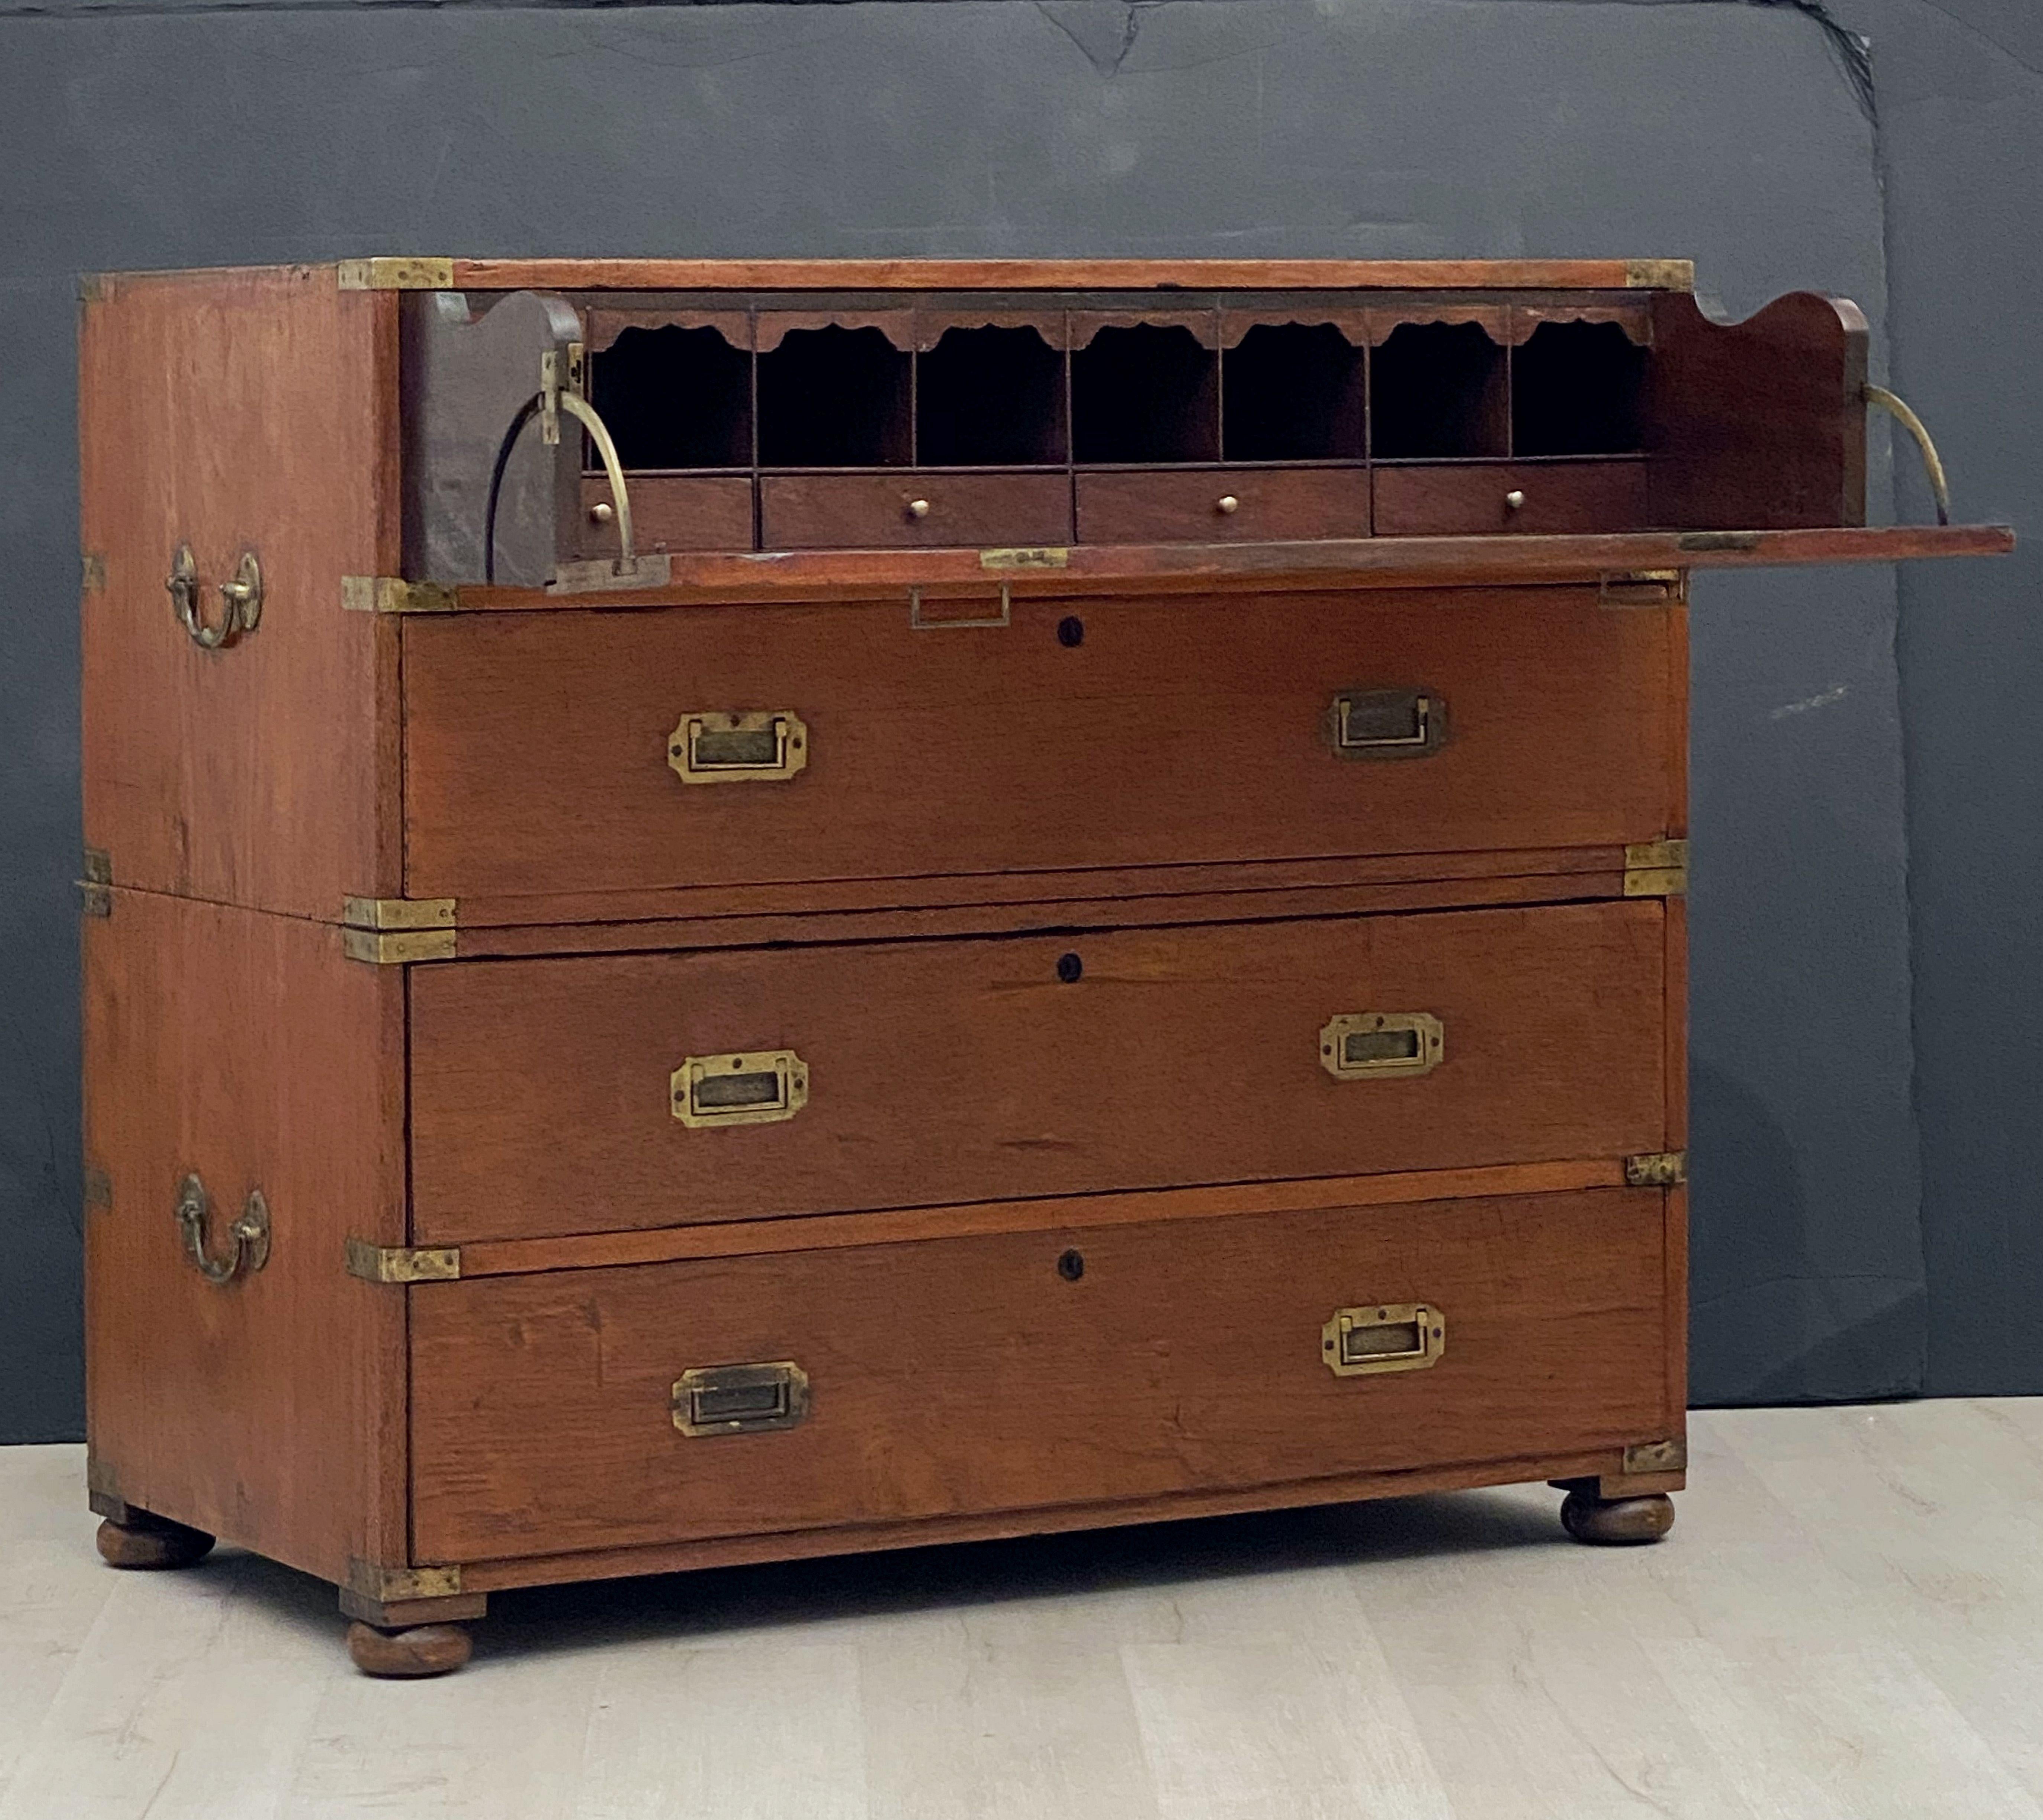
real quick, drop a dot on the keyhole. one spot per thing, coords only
(1069, 968)
(1070, 631)
(1071, 1265)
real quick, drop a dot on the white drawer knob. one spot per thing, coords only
(918, 508)
(1513, 499)
(1227, 503)
(602, 511)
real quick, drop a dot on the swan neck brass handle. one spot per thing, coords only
(1932, 463)
(251, 1233)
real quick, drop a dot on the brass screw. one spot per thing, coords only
(602, 511)
(1227, 503)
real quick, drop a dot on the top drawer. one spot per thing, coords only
(576, 752)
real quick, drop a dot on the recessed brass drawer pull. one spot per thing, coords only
(1389, 723)
(1392, 1336)
(1371, 1045)
(757, 1087)
(768, 746)
(741, 1399)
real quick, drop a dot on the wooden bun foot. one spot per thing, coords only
(145, 1541)
(1588, 1518)
(408, 1655)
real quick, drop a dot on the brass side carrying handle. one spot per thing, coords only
(1388, 724)
(1390, 1336)
(741, 1399)
(251, 1233)
(1932, 462)
(754, 1086)
(1373, 1045)
(243, 599)
(760, 746)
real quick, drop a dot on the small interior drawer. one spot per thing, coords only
(670, 511)
(599, 1408)
(909, 509)
(1240, 505)
(1524, 496)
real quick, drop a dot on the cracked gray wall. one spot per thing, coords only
(175, 135)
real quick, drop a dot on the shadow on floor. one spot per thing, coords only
(722, 1601)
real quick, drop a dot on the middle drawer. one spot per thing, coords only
(548, 1096)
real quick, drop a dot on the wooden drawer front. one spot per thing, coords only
(968, 1374)
(1271, 505)
(864, 512)
(1564, 496)
(671, 511)
(942, 1072)
(1176, 731)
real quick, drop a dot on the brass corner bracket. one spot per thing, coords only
(1656, 1169)
(398, 913)
(389, 932)
(393, 1585)
(388, 594)
(1660, 274)
(1657, 869)
(91, 573)
(1657, 1457)
(95, 886)
(402, 1264)
(396, 274)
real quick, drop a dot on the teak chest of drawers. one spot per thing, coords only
(746, 909)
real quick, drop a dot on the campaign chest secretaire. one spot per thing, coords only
(739, 910)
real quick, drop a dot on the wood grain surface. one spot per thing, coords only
(969, 1071)
(969, 1375)
(805, 511)
(1179, 731)
(269, 1412)
(231, 411)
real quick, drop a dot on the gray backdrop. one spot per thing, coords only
(1867, 859)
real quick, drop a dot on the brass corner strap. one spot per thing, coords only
(396, 274)
(387, 594)
(1656, 869)
(1657, 1457)
(393, 1585)
(1660, 274)
(390, 932)
(91, 573)
(402, 1264)
(1656, 1169)
(95, 888)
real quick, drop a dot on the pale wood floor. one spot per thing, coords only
(1846, 1623)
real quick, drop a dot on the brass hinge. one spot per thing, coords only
(98, 1189)
(1644, 588)
(398, 913)
(1660, 274)
(92, 573)
(1656, 1169)
(1657, 1457)
(95, 889)
(386, 594)
(402, 1264)
(1657, 869)
(94, 287)
(393, 1585)
(400, 274)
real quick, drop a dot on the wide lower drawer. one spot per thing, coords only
(575, 752)
(614, 1091)
(1018, 1371)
